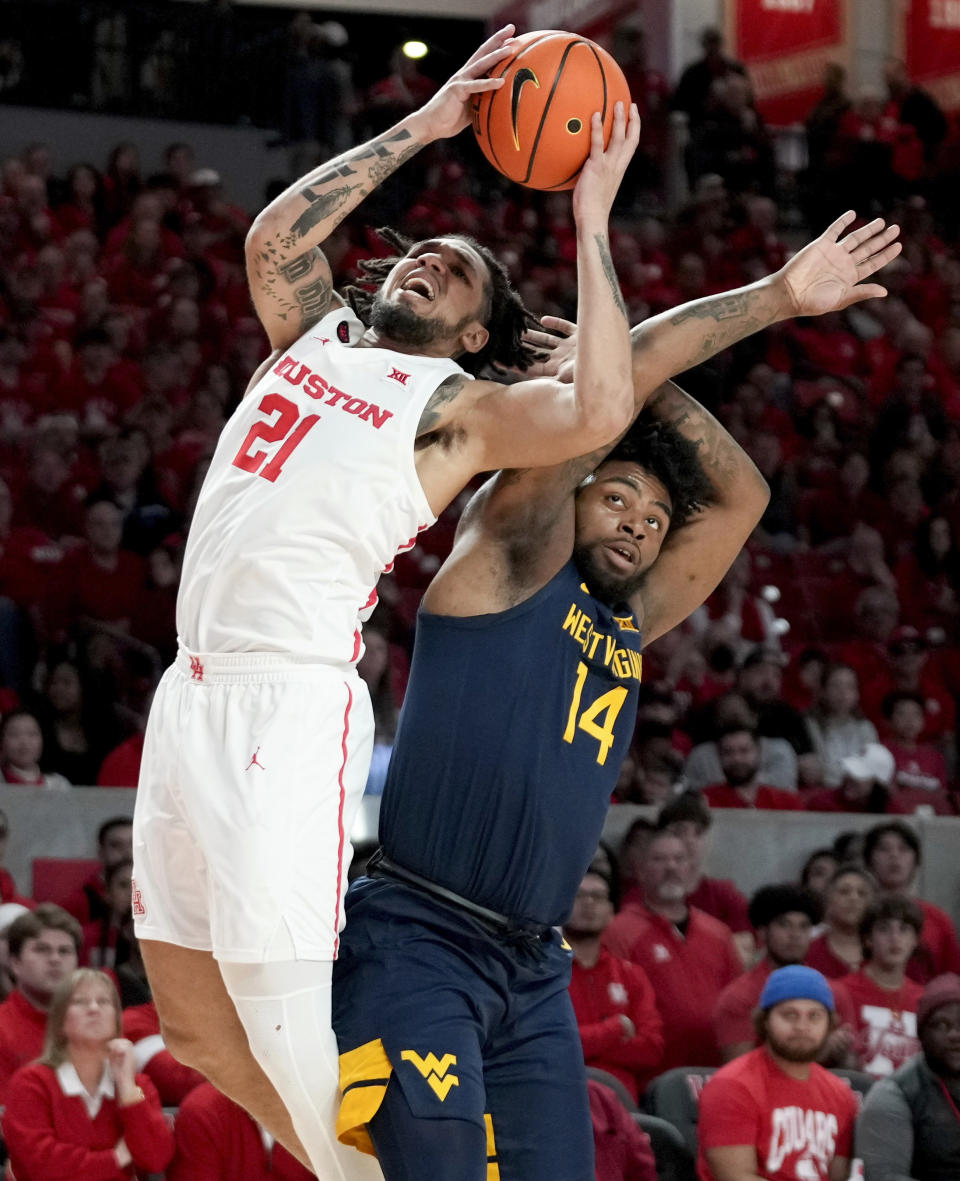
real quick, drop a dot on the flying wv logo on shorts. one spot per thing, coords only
(434, 1071)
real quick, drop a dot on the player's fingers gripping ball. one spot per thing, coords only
(535, 129)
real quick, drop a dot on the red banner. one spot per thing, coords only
(931, 47)
(785, 44)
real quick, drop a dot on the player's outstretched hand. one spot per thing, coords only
(603, 171)
(558, 346)
(448, 111)
(827, 274)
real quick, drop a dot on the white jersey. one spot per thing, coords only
(310, 495)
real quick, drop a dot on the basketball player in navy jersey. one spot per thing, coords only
(459, 1049)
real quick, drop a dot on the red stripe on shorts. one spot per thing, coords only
(343, 764)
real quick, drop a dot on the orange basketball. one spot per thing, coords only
(535, 129)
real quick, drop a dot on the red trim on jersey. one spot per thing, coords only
(356, 646)
(371, 600)
(343, 747)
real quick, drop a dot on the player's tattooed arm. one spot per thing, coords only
(610, 271)
(290, 279)
(696, 555)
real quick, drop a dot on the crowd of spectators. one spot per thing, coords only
(822, 674)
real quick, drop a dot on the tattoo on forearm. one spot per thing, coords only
(443, 395)
(321, 206)
(606, 261)
(723, 307)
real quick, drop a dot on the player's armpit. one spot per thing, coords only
(289, 294)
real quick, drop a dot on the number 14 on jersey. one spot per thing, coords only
(598, 718)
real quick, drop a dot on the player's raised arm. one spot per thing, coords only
(826, 275)
(544, 420)
(696, 555)
(290, 279)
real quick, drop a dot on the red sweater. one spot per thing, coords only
(22, 1030)
(688, 972)
(51, 1136)
(218, 1141)
(599, 994)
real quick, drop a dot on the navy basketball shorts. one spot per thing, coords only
(460, 1058)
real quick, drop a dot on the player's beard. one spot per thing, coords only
(607, 587)
(400, 324)
(795, 1053)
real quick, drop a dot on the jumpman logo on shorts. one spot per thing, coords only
(255, 762)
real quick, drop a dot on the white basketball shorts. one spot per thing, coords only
(253, 770)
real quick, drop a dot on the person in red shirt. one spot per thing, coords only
(880, 1001)
(43, 947)
(775, 1113)
(909, 669)
(102, 581)
(688, 956)
(783, 917)
(919, 766)
(868, 780)
(613, 1000)
(838, 951)
(739, 753)
(688, 817)
(82, 1111)
(217, 1141)
(622, 1151)
(891, 851)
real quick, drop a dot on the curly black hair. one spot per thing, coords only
(505, 316)
(673, 459)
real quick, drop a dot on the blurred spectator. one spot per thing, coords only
(43, 947)
(865, 784)
(82, 1110)
(838, 951)
(909, 1125)
(217, 1141)
(108, 941)
(739, 752)
(688, 817)
(875, 616)
(693, 89)
(730, 139)
(778, 760)
(102, 581)
(741, 1128)
(734, 614)
(909, 669)
(920, 767)
(915, 107)
(403, 90)
(836, 724)
(879, 1001)
(928, 578)
(892, 853)
(21, 749)
(824, 120)
(818, 869)
(760, 680)
(114, 845)
(613, 1000)
(318, 95)
(622, 1150)
(75, 739)
(783, 917)
(688, 956)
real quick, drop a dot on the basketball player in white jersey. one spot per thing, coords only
(352, 437)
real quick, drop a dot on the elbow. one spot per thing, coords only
(604, 418)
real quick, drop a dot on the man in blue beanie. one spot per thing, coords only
(775, 1113)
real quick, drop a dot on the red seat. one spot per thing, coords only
(61, 880)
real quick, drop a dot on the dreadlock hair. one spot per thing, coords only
(673, 459)
(504, 314)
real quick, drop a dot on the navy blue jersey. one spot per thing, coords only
(510, 742)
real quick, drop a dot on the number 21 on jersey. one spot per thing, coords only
(598, 718)
(288, 426)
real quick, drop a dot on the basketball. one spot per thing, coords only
(535, 129)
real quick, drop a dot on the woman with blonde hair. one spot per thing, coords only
(81, 1111)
